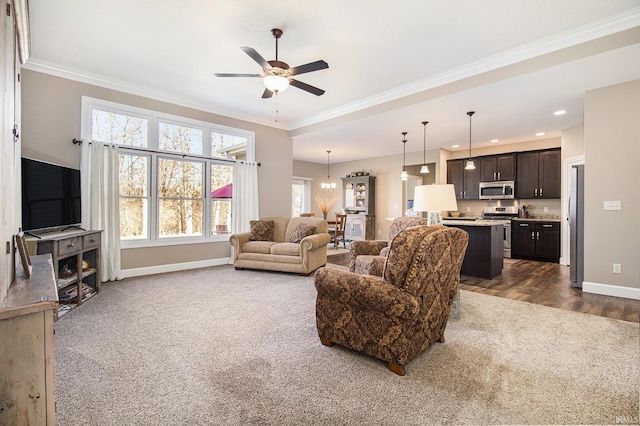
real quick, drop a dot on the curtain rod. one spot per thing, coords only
(80, 141)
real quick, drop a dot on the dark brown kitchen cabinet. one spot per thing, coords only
(535, 240)
(465, 182)
(498, 167)
(538, 174)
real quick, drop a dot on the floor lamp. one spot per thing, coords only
(434, 199)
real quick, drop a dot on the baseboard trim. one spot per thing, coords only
(173, 267)
(611, 290)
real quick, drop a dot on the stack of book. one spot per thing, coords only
(70, 294)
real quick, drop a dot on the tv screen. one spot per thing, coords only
(50, 195)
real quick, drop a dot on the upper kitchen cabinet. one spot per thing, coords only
(538, 174)
(498, 167)
(465, 182)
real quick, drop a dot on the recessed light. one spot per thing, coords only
(561, 112)
(455, 146)
(494, 140)
(540, 134)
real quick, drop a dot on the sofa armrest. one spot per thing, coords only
(237, 240)
(364, 248)
(366, 292)
(314, 241)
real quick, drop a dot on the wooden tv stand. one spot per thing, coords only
(68, 249)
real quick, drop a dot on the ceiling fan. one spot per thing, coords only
(277, 74)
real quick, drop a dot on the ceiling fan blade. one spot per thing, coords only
(256, 57)
(306, 87)
(312, 66)
(267, 94)
(236, 75)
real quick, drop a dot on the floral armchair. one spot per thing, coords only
(368, 257)
(399, 315)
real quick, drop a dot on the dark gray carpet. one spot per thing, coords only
(219, 346)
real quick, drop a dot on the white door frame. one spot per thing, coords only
(566, 190)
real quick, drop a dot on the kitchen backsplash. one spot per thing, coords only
(536, 208)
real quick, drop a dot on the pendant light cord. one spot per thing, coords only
(424, 145)
(470, 113)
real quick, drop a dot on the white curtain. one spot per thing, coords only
(245, 188)
(99, 169)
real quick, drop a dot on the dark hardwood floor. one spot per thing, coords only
(542, 283)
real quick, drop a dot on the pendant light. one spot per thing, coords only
(328, 185)
(424, 168)
(403, 175)
(470, 164)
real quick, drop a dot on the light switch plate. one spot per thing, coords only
(612, 205)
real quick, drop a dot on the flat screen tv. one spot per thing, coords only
(50, 196)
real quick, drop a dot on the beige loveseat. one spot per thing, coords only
(279, 254)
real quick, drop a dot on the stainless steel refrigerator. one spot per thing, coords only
(576, 226)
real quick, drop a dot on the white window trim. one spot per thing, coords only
(153, 118)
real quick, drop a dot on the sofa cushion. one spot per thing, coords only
(263, 247)
(301, 231)
(287, 249)
(261, 230)
(319, 223)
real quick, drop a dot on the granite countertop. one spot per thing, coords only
(538, 219)
(478, 222)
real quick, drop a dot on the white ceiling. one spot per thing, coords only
(392, 65)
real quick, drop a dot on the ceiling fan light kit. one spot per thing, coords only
(277, 75)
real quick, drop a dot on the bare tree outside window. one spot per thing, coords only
(180, 197)
(134, 196)
(176, 178)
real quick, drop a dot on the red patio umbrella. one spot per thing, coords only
(223, 192)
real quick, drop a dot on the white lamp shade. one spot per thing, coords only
(424, 169)
(470, 165)
(276, 83)
(430, 198)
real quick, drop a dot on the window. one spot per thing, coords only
(175, 175)
(300, 196)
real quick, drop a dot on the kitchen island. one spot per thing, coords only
(484, 256)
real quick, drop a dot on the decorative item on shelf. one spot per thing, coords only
(85, 265)
(328, 186)
(524, 211)
(66, 272)
(403, 175)
(424, 168)
(470, 164)
(434, 199)
(325, 202)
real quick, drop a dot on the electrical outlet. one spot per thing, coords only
(617, 268)
(546, 209)
(468, 209)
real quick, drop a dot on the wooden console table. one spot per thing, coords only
(26, 352)
(76, 264)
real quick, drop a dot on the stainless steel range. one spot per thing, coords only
(503, 215)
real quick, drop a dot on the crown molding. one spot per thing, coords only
(122, 86)
(582, 34)
(585, 33)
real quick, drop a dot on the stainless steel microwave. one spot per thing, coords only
(497, 190)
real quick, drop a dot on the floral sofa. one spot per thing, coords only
(297, 244)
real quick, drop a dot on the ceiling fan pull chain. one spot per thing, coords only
(276, 106)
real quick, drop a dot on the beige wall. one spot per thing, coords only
(612, 150)
(9, 155)
(573, 142)
(389, 187)
(52, 115)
